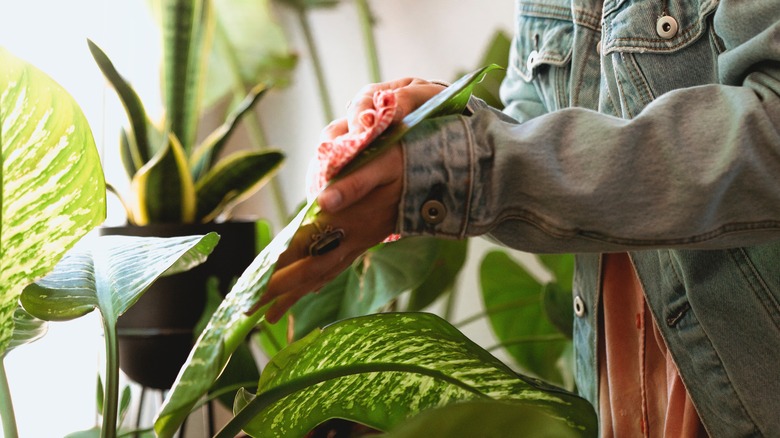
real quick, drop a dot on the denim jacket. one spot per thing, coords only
(647, 126)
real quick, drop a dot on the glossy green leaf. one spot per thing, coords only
(27, 329)
(204, 156)
(164, 187)
(497, 53)
(528, 335)
(558, 308)
(227, 329)
(111, 275)
(249, 47)
(52, 190)
(488, 419)
(233, 179)
(452, 100)
(237, 315)
(135, 144)
(315, 311)
(272, 338)
(381, 369)
(187, 27)
(561, 266)
(446, 266)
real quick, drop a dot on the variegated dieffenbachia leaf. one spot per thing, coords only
(27, 329)
(53, 191)
(381, 369)
(237, 315)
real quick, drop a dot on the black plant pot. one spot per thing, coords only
(156, 334)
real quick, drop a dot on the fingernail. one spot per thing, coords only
(329, 200)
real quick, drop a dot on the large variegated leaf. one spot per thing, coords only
(52, 190)
(27, 329)
(233, 179)
(164, 187)
(111, 275)
(382, 369)
(230, 324)
(249, 47)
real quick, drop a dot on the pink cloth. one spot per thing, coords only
(333, 155)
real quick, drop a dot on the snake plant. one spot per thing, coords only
(176, 178)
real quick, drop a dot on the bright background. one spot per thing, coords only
(53, 380)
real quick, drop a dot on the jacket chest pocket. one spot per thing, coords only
(543, 49)
(653, 47)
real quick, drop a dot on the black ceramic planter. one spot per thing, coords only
(156, 334)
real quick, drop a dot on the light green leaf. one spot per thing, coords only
(497, 53)
(110, 275)
(382, 369)
(487, 419)
(561, 266)
(164, 187)
(27, 329)
(310, 4)
(53, 191)
(249, 47)
(233, 179)
(524, 329)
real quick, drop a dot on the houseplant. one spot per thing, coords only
(183, 186)
(51, 194)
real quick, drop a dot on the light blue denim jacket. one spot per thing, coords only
(648, 126)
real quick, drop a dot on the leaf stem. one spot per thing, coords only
(527, 340)
(516, 304)
(325, 100)
(271, 396)
(111, 399)
(367, 22)
(6, 405)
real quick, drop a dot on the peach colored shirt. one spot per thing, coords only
(641, 393)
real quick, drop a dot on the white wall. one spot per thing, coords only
(53, 380)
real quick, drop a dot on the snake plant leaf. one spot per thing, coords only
(230, 324)
(111, 275)
(237, 314)
(186, 26)
(136, 145)
(164, 187)
(487, 419)
(233, 179)
(52, 190)
(208, 150)
(381, 369)
(249, 47)
(27, 329)
(528, 336)
(310, 4)
(452, 100)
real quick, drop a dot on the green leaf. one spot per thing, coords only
(558, 308)
(229, 326)
(272, 338)
(110, 275)
(233, 179)
(446, 266)
(208, 150)
(315, 311)
(135, 146)
(497, 53)
(27, 329)
(529, 336)
(249, 47)
(240, 368)
(561, 266)
(187, 27)
(452, 100)
(53, 191)
(487, 419)
(164, 187)
(238, 314)
(381, 369)
(310, 4)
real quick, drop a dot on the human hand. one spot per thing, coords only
(362, 206)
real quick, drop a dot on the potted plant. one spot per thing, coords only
(182, 185)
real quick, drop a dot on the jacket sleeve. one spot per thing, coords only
(699, 167)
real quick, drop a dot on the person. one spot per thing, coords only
(643, 136)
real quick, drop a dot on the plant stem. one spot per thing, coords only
(367, 27)
(498, 309)
(6, 405)
(325, 100)
(111, 399)
(449, 305)
(527, 340)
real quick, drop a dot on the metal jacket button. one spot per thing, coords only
(433, 212)
(666, 27)
(531, 59)
(579, 306)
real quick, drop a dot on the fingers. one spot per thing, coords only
(410, 93)
(345, 192)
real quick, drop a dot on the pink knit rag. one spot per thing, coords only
(333, 155)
